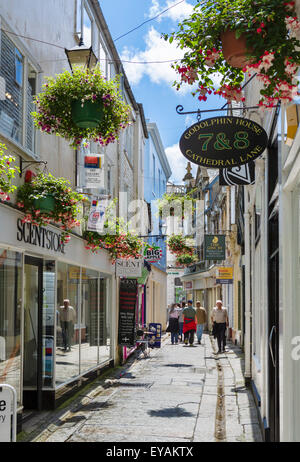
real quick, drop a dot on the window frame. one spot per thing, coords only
(28, 60)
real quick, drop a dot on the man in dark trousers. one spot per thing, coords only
(189, 325)
(220, 317)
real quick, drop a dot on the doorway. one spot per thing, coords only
(33, 350)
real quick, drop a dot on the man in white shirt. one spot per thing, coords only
(220, 318)
(67, 321)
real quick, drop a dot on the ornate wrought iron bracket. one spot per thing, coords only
(30, 162)
(179, 110)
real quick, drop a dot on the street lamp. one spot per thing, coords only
(81, 56)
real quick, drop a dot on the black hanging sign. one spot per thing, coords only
(223, 142)
(127, 307)
(242, 175)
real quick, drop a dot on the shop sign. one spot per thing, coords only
(8, 413)
(129, 268)
(96, 217)
(94, 171)
(223, 142)
(242, 175)
(39, 236)
(127, 311)
(214, 247)
(188, 285)
(152, 253)
(155, 336)
(225, 275)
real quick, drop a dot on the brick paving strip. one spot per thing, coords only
(170, 396)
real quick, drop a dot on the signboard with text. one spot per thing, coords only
(129, 268)
(94, 171)
(214, 247)
(127, 309)
(225, 275)
(223, 142)
(152, 253)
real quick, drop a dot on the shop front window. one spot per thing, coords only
(89, 319)
(10, 319)
(105, 321)
(68, 323)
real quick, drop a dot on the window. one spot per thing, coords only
(17, 81)
(10, 318)
(31, 91)
(153, 171)
(18, 67)
(84, 27)
(11, 108)
(129, 142)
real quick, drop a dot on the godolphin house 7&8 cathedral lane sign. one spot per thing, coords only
(223, 142)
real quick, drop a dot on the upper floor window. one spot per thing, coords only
(128, 142)
(19, 80)
(84, 23)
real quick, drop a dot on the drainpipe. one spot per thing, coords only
(247, 290)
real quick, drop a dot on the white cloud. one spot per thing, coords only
(157, 50)
(177, 13)
(178, 164)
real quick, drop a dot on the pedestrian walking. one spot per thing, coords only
(189, 326)
(181, 320)
(220, 318)
(173, 326)
(67, 320)
(201, 320)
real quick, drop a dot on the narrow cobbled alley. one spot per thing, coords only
(177, 394)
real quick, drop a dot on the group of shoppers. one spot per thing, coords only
(185, 321)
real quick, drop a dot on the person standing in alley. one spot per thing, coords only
(173, 326)
(201, 320)
(181, 307)
(189, 325)
(220, 317)
(67, 320)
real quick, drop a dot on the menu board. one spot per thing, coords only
(127, 308)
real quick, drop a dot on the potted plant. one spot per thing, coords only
(186, 260)
(7, 173)
(232, 37)
(179, 245)
(48, 199)
(82, 105)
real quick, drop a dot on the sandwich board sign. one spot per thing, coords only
(8, 414)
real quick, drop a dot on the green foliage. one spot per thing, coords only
(53, 114)
(7, 173)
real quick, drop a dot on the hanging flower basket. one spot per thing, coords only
(48, 199)
(265, 30)
(120, 246)
(82, 105)
(7, 173)
(178, 245)
(45, 204)
(186, 260)
(87, 114)
(235, 49)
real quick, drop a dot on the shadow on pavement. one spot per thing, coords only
(170, 412)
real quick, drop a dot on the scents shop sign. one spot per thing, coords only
(223, 142)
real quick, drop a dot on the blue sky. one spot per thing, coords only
(152, 83)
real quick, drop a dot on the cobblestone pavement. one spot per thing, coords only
(177, 394)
